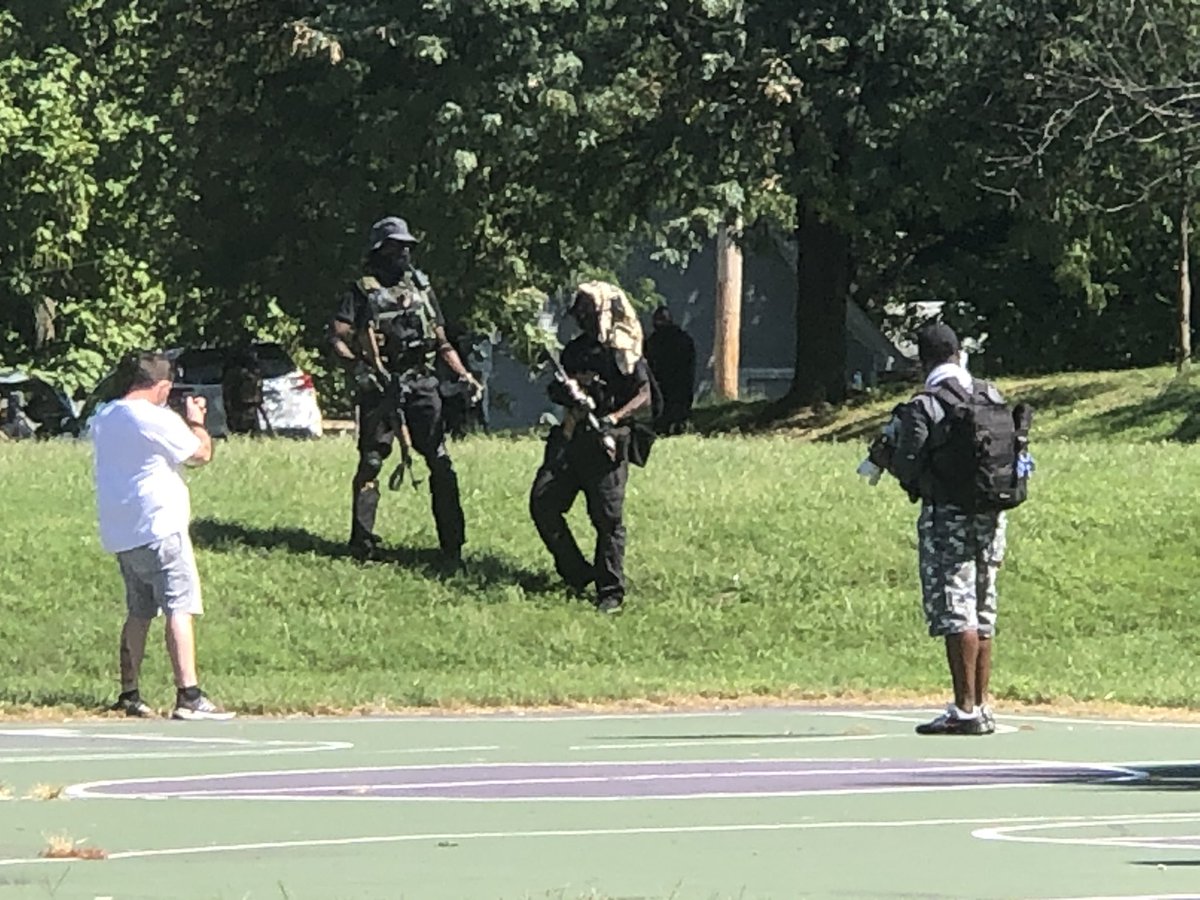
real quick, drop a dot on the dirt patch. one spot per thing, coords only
(61, 846)
(45, 792)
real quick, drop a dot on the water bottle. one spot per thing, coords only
(1025, 464)
(869, 471)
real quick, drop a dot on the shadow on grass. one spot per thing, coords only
(1051, 398)
(1044, 400)
(89, 703)
(765, 416)
(1155, 415)
(486, 569)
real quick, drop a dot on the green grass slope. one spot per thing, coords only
(758, 565)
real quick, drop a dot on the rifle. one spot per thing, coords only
(393, 395)
(262, 411)
(581, 403)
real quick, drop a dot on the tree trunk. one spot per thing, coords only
(823, 282)
(727, 321)
(1183, 356)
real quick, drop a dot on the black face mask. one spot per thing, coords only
(587, 321)
(390, 267)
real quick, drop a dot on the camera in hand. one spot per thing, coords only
(177, 400)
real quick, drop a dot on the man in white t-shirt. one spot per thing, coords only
(144, 512)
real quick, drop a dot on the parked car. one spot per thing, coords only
(31, 407)
(289, 401)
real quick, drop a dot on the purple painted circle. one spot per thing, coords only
(608, 780)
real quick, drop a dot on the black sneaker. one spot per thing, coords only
(365, 548)
(450, 561)
(198, 709)
(609, 606)
(132, 704)
(950, 722)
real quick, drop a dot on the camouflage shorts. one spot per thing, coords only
(959, 555)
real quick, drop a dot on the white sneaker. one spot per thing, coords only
(200, 708)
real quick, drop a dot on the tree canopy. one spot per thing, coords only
(179, 171)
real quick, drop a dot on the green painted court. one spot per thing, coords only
(794, 802)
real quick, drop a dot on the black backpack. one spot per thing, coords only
(983, 464)
(642, 434)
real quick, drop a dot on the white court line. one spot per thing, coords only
(546, 833)
(614, 798)
(96, 789)
(704, 742)
(254, 748)
(458, 718)
(591, 779)
(1022, 834)
(1136, 897)
(267, 748)
(93, 736)
(1131, 723)
(470, 748)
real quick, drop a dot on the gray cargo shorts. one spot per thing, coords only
(959, 554)
(161, 577)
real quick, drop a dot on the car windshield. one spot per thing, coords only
(274, 360)
(200, 366)
(207, 365)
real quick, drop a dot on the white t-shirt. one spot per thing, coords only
(140, 496)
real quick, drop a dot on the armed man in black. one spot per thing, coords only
(388, 332)
(604, 381)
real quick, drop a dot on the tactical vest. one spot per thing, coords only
(403, 322)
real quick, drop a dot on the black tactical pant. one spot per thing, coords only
(571, 467)
(378, 427)
(677, 410)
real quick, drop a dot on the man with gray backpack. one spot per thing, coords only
(961, 451)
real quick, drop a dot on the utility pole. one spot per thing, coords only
(727, 320)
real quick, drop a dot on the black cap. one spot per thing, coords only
(936, 343)
(393, 228)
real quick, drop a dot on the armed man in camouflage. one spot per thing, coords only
(388, 332)
(961, 545)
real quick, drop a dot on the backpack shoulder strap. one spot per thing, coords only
(951, 393)
(367, 284)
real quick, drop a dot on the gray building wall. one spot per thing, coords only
(768, 331)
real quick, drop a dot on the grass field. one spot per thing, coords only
(758, 565)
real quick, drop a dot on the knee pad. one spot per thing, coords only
(441, 467)
(369, 467)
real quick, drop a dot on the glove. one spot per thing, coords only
(578, 395)
(474, 389)
(881, 452)
(367, 381)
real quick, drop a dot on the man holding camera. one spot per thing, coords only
(944, 455)
(604, 382)
(387, 333)
(144, 513)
